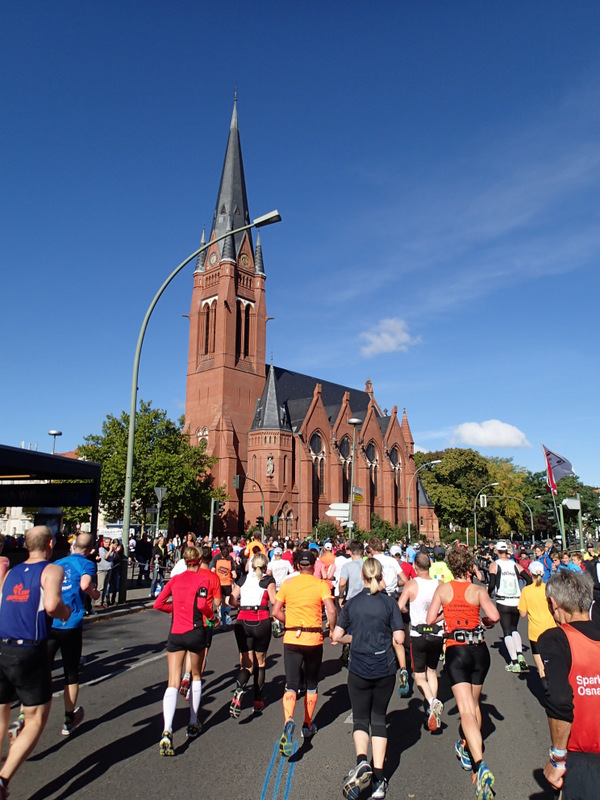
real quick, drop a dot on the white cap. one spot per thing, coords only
(328, 546)
(395, 550)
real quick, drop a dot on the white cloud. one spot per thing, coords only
(491, 433)
(388, 336)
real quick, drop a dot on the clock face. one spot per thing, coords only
(213, 259)
(244, 260)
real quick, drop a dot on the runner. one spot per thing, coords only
(303, 597)
(279, 568)
(252, 629)
(29, 592)
(571, 654)
(426, 641)
(504, 581)
(196, 597)
(223, 565)
(534, 605)
(467, 659)
(377, 635)
(79, 573)
(439, 570)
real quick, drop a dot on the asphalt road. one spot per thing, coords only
(114, 752)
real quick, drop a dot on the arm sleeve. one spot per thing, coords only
(556, 655)
(492, 583)
(526, 577)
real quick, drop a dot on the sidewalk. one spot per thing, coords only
(138, 599)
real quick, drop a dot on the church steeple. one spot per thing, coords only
(231, 210)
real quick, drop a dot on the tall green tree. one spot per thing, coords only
(162, 457)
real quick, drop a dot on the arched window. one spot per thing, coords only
(344, 447)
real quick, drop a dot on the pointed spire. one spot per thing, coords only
(270, 415)
(228, 252)
(405, 428)
(259, 267)
(201, 260)
(232, 203)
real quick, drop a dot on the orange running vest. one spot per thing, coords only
(584, 679)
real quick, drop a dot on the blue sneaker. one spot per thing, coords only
(484, 781)
(286, 744)
(358, 777)
(463, 756)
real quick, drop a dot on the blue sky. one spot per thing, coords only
(436, 165)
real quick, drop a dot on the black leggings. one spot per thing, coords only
(297, 656)
(369, 698)
(509, 618)
(69, 642)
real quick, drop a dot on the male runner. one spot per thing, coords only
(571, 654)
(30, 591)
(426, 641)
(303, 597)
(78, 579)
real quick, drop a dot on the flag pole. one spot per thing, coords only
(549, 484)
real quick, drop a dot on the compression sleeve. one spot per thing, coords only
(493, 580)
(556, 655)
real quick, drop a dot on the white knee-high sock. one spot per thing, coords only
(195, 697)
(510, 646)
(516, 637)
(169, 706)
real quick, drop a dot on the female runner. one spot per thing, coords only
(252, 594)
(196, 597)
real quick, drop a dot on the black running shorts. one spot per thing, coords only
(253, 636)
(195, 641)
(425, 652)
(467, 663)
(25, 673)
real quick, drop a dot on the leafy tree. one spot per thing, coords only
(162, 457)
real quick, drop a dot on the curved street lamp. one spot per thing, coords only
(426, 464)
(259, 222)
(487, 486)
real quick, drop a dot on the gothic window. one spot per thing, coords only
(370, 452)
(373, 461)
(316, 444)
(285, 469)
(254, 467)
(344, 447)
(238, 329)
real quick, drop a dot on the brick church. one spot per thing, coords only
(288, 434)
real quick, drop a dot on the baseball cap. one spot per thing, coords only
(536, 568)
(307, 558)
(501, 547)
(277, 551)
(328, 546)
(395, 550)
(313, 546)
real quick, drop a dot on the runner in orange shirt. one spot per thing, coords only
(303, 597)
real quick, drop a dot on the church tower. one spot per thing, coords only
(226, 365)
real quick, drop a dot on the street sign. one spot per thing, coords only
(356, 490)
(337, 514)
(483, 501)
(358, 498)
(339, 506)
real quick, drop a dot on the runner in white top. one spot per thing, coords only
(426, 641)
(393, 576)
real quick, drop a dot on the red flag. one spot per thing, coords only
(557, 467)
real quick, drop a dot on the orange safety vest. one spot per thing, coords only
(584, 679)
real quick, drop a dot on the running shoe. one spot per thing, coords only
(72, 721)
(358, 777)
(286, 743)
(403, 689)
(512, 667)
(463, 756)
(434, 722)
(3, 789)
(193, 731)
(380, 790)
(185, 684)
(484, 781)
(259, 704)
(523, 666)
(166, 744)
(308, 731)
(345, 654)
(15, 728)
(235, 708)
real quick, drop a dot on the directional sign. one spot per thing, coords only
(337, 514)
(339, 506)
(358, 498)
(356, 490)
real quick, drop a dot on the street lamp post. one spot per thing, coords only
(426, 464)
(354, 421)
(54, 434)
(259, 222)
(160, 492)
(487, 486)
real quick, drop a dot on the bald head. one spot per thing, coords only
(38, 539)
(83, 543)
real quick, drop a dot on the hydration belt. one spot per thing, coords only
(21, 641)
(254, 608)
(511, 597)
(423, 629)
(301, 629)
(467, 636)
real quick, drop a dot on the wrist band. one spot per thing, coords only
(554, 751)
(558, 764)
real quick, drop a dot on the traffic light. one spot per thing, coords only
(219, 506)
(260, 521)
